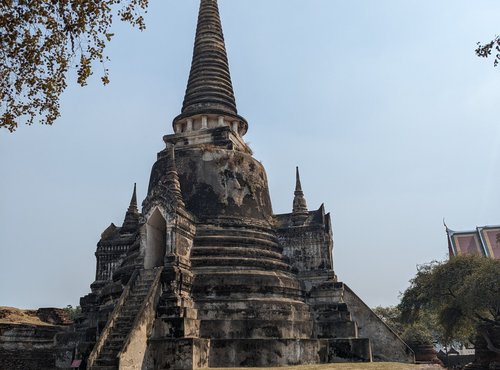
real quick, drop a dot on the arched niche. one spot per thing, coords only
(156, 240)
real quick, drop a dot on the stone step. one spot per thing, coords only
(143, 289)
(145, 279)
(124, 321)
(117, 330)
(246, 272)
(143, 283)
(124, 324)
(123, 327)
(235, 251)
(242, 291)
(256, 329)
(236, 236)
(113, 343)
(128, 311)
(109, 353)
(138, 294)
(252, 309)
(134, 297)
(108, 359)
(218, 241)
(116, 342)
(134, 302)
(135, 305)
(253, 278)
(118, 336)
(265, 263)
(149, 272)
(107, 362)
(126, 317)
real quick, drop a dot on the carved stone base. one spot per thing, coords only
(179, 354)
(179, 327)
(287, 352)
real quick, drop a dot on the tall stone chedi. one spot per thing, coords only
(207, 275)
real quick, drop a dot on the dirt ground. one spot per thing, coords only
(357, 366)
(11, 315)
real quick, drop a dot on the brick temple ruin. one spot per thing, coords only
(206, 275)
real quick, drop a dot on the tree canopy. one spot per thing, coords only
(463, 294)
(419, 331)
(42, 40)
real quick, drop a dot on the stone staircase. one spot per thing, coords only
(122, 323)
(333, 322)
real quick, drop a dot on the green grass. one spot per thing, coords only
(352, 366)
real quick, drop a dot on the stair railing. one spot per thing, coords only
(111, 322)
(146, 315)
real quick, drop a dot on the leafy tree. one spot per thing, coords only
(463, 294)
(72, 312)
(485, 50)
(42, 40)
(416, 334)
(419, 331)
(391, 316)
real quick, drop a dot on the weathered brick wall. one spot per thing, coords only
(25, 347)
(308, 248)
(386, 344)
(40, 339)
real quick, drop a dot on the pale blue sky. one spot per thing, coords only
(391, 117)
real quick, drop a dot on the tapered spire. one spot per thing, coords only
(131, 221)
(209, 89)
(298, 185)
(209, 86)
(300, 211)
(133, 202)
(171, 178)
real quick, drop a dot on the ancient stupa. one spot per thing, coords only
(206, 275)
